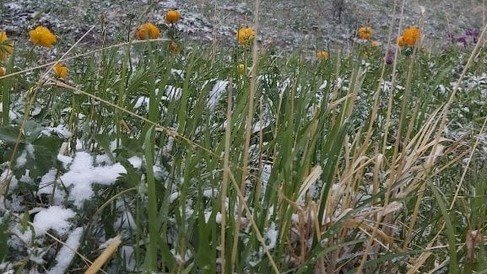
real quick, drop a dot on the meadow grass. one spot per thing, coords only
(293, 165)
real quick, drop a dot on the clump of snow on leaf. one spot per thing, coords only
(55, 218)
(83, 174)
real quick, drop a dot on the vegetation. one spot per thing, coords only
(238, 160)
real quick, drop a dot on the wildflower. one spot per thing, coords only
(365, 33)
(245, 36)
(147, 31)
(3, 71)
(241, 69)
(462, 40)
(389, 58)
(322, 55)
(60, 70)
(473, 33)
(411, 36)
(6, 47)
(400, 41)
(42, 36)
(172, 16)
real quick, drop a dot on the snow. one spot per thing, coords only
(187, 256)
(173, 197)
(21, 160)
(178, 72)
(218, 218)
(65, 160)
(125, 220)
(60, 130)
(142, 101)
(11, 114)
(135, 161)
(128, 254)
(323, 86)
(168, 146)
(67, 252)
(265, 176)
(172, 93)
(55, 218)
(209, 193)
(271, 236)
(102, 159)
(159, 173)
(258, 126)
(7, 174)
(25, 235)
(27, 152)
(83, 174)
(216, 93)
(26, 177)
(16, 203)
(47, 185)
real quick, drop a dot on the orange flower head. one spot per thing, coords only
(147, 31)
(322, 55)
(400, 41)
(42, 36)
(3, 71)
(61, 71)
(365, 33)
(172, 16)
(411, 35)
(6, 47)
(245, 36)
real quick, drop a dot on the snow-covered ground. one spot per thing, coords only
(285, 24)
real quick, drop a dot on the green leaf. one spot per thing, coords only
(4, 225)
(9, 134)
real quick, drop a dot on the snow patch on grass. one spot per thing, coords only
(216, 93)
(67, 252)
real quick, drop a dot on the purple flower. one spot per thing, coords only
(463, 40)
(389, 58)
(473, 33)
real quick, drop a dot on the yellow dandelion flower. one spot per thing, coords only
(60, 70)
(411, 35)
(172, 16)
(3, 71)
(6, 47)
(241, 69)
(365, 33)
(147, 31)
(245, 35)
(42, 36)
(322, 55)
